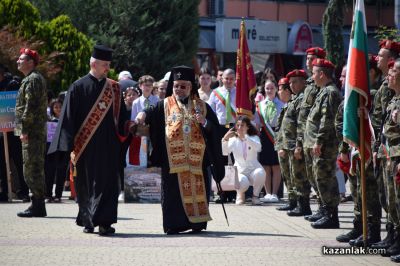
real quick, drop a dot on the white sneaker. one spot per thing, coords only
(255, 200)
(240, 199)
(274, 198)
(266, 198)
(121, 196)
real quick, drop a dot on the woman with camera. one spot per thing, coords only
(243, 142)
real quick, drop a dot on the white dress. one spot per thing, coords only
(245, 153)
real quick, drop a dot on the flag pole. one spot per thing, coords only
(362, 176)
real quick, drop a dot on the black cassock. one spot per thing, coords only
(174, 217)
(97, 181)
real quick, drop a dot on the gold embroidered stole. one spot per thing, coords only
(109, 94)
(185, 147)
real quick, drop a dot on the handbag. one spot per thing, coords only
(230, 181)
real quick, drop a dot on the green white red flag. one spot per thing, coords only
(357, 84)
(245, 79)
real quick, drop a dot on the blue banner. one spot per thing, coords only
(7, 110)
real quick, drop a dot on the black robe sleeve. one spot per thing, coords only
(63, 140)
(213, 145)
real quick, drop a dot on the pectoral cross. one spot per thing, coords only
(102, 105)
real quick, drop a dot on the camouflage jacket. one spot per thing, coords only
(381, 101)
(343, 146)
(391, 129)
(278, 132)
(310, 93)
(31, 105)
(289, 122)
(320, 126)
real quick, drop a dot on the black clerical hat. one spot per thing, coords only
(102, 52)
(181, 73)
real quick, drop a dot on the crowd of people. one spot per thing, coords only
(294, 134)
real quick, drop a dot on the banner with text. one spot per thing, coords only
(7, 110)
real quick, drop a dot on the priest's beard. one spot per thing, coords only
(181, 98)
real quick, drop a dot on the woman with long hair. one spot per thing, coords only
(243, 142)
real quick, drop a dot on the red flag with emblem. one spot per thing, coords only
(245, 79)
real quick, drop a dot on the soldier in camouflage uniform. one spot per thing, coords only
(388, 50)
(284, 93)
(297, 79)
(310, 93)
(31, 117)
(321, 137)
(391, 131)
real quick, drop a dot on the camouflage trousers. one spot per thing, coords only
(298, 175)
(324, 170)
(33, 154)
(392, 191)
(308, 158)
(374, 210)
(379, 173)
(285, 172)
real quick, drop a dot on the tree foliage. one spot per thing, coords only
(384, 32)
(332, 23)
(62, 46)
(148, 37)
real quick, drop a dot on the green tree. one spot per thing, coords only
(332, 23)
(148, 37)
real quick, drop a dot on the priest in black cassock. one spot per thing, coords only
(92, 117)
(182, 132)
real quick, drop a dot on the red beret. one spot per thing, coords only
(297, 73)
(283, 81)
(31, 53)
(391, 64)
(390, 45)
(317, 51)
(322, 63)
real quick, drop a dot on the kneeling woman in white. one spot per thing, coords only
(244, 143)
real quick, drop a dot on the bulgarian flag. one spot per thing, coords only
(245, 80)
(357, 85)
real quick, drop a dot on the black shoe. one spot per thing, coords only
(196, 231)
(316, 216)
(373, 236)
(329, 221)
(394, 249)
(88, 230)
(352, 234)
(303, 207)
(37, 209)
(172, 232)
(106, 230)
(24, 198)
(288, 206)
(388, 240)
(395, 258)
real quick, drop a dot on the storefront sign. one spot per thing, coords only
(262, 36)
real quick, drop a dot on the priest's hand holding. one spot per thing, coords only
(200, 119)
(317, 150)
(24, 138)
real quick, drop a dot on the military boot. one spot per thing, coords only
(373, 236)
(288, 206)
(388, 240)
(353, 233)
(394, 249)
(37, 209)
(303, 207)
(329, 221)
(316, 216)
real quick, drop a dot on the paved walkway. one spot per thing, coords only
(257, 235)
